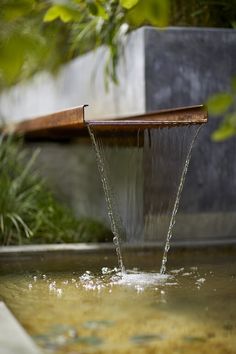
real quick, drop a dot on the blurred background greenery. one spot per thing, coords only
(37, 34)
(43, 34)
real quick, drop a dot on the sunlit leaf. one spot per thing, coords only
(16, 51)
(128, 4)
(225, 131)
(97, 9)
(219, 103)
(101, 11)
(137, 16)
(154, 12)
(10, 63)
(65, 13)
(158, 12)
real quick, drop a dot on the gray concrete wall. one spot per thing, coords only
(71, 173)
(184, 67)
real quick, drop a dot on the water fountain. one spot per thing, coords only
(72, 298)
(159, 161)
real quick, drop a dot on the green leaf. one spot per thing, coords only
(128, 4)
(97, 9)
(102, 12)
(93, 9)
(225, 131)
(137, 15)
(154, 12)
(219, 103)
(17, 51)
(65, 13)
(10, 63)
(158, 12)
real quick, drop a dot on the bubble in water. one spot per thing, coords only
(105, 270)
(139, 288)
(52, 286)
(115, 240)
(200, 281)
(59, 292)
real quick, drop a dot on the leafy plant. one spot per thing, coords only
(39, 34)
(224, 103)
(43, 34)
(102, 22)
(27, 45)
(28, 211)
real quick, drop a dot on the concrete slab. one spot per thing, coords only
(13, 338)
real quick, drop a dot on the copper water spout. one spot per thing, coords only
(71, 123)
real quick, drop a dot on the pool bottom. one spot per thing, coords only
(93, 310)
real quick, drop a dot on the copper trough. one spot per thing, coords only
(71, 123)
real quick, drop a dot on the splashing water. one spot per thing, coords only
(91, 312)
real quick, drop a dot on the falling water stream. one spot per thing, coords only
(176, 205)
(143, 177)
(109, 200)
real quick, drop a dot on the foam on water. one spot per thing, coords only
(142, 279)
(110, 278)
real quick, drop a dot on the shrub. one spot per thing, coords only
(29, 213)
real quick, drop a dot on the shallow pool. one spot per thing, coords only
(96, 310)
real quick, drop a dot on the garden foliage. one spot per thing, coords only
(29, 213)
(224, 103)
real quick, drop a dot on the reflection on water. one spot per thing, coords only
(190, 310)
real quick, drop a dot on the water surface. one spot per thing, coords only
(191, 310)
